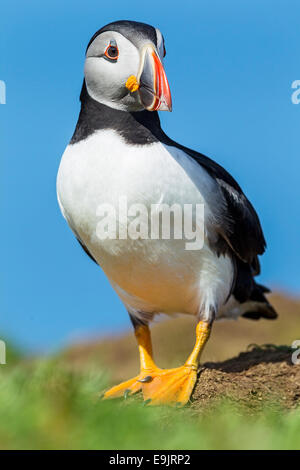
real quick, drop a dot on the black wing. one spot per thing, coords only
(241, 229)
(240, 232)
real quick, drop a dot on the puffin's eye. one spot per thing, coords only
(112, 52)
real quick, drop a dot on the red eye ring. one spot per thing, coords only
(112, 52)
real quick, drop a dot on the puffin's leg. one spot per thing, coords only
(175, 386)
(171, 386)
(147, 366)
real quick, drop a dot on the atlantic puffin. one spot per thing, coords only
(119, 150)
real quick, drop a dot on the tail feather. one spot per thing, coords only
(258, 306)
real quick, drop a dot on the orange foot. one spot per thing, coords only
(170, 386)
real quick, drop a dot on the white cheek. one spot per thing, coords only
(106, 80)
(102, 78)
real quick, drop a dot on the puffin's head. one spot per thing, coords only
(123, 67)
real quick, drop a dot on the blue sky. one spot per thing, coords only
(230, 66)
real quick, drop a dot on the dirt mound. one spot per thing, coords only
(254, 378)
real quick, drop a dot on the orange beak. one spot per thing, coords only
(154, 90)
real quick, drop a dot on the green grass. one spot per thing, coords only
(46, 405)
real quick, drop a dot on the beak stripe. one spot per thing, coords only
(162, 89)
(154, 90)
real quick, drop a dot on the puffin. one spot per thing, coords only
(119, 156)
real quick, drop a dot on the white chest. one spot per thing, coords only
(104, 169)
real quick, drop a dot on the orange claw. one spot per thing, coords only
(168, 386)
(131, 386)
